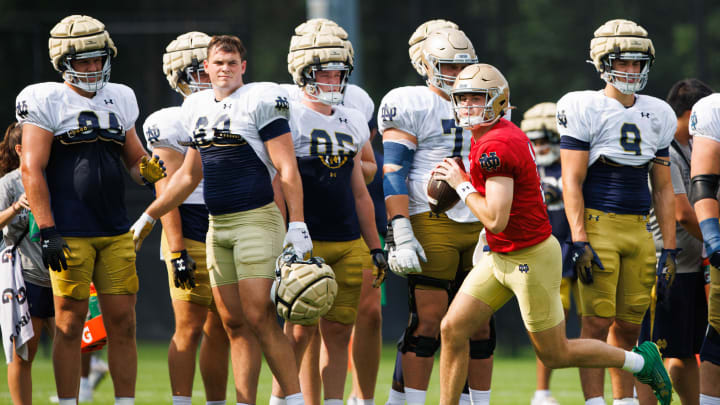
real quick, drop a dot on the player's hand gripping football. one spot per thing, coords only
(379, 258)
(183, 269)
(141, 228)
(152, 170)
(54, 249)
(583, 256)
(299, 237)
(666, 269)
(407, 248)
(451, 172)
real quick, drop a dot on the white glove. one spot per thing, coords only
(407, 248)
(299, 237)
(141, 228)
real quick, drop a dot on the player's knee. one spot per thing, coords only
(429, 323)
(369, 315)
(186, 337)
(554, 359)
(449, 331)
(70, 329)
(596, 327)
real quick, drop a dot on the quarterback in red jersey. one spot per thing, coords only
(504, 192)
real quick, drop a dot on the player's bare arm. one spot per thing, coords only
(396, 204)
(180, 186)
(133, 152)
(364, 206)
(171, 222)
(37, 143)
(369, 165)
(282, 153)
(704, 161)
(664, 202)
(685, 216)
(574, 170)
(493, 210)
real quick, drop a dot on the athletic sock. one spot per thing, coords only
(276, 400)
(633, 362)
(180, 400)
(295, 399)
(540, 394)
(708, 400)
(215, 402)
(369, 401)
(478, 397)
(595, 401)
(124, 400)
(395, 398)
(333, 402)
(464, 399)
(624, 401)
(415, 397)
(67, 401)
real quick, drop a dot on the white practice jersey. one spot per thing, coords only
(630, 136)
(164, 129)
(342, 133)
(705, 118)
(55, 107)
(355, 97)
(230, 136)
(420, 112)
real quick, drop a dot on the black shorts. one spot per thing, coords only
(710, 350)
(679, 330)
(40, 301)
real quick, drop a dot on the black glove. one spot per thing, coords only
(54, 249)
(666, 269)
(183, 269)
(379, 258)
(582, 257)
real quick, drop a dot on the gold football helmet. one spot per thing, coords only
(447, 45)
(419, 36)
(622, 39)
(540, 125)
(486, 81)
(315, 52)
(81, 37)
(183, 62)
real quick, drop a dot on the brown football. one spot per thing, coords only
(441, 196)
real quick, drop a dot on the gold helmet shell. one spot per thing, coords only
(419, 36)
(446, 45)
(540, 125)
(482, 79)
(184, 58)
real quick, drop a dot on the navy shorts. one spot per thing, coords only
(40, 301)
(710, 350)
(679, 331)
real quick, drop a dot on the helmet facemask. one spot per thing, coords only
(434, 74)
(546, 145)
(333, 93)
(488, 113)
(195, 78)
(88, 81)
(624, 82)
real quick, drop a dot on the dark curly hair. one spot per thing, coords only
(9, 159)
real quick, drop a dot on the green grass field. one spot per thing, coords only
(513, 380)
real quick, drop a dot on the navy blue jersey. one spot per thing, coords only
(376, 193)
(551, 177)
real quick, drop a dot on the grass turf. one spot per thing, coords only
(513, 380)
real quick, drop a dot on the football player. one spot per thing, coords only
(183, 242)
(241, 139)
(504, 191)
(539, 125)
(328, 139)
(78, 141)
(611, 140)
(367, 336)
(705, 172)
(418, 132)
(677, 318)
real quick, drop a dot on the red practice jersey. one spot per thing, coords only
(506, 151)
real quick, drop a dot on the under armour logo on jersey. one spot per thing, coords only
(46, 243)
(342, 120)
(153, 133)
(644, 114)
(281, 103)
(388, 113)
(524, 268)
(596, 217)
(227, 106)
(489, 161)
(562, 118)
(21, 109)
(108, 101)
(693, 121)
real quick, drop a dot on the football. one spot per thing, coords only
(441, 195)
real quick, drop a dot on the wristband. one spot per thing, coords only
(464, 189)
